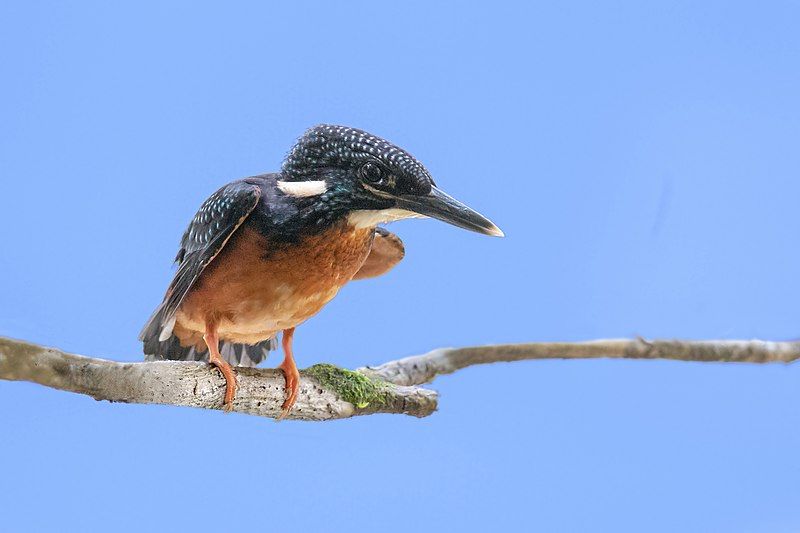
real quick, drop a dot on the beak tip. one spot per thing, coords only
(494, 231)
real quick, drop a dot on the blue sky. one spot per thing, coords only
(642, 160)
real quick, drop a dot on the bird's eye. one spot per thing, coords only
(372, 173)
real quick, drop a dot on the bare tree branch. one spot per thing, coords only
(261, 391)
(327, 392)
(420, 369)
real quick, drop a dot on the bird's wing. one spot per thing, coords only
(387, 250)
(212, 227)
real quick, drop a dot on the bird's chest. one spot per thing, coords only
(254, 287)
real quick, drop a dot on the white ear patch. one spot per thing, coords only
(303, 189)
(370, 218)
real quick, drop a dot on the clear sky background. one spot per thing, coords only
(642, 159)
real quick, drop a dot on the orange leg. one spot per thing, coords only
(212, 341)
(290, 373)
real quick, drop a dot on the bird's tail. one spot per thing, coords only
(160, 343)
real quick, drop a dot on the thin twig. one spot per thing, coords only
(420, 369)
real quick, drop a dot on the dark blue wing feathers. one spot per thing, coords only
(213, 225)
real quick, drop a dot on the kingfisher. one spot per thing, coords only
(264, 254)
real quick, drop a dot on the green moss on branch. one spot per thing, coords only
(350, 386)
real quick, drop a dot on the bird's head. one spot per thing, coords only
(370, 180)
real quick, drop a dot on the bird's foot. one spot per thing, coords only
(292, 376)
(230, 383)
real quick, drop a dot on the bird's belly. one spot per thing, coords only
(251, 291)
(265, 313)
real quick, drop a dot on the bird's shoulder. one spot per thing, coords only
(219, 215)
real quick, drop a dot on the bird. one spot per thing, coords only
(265, 253)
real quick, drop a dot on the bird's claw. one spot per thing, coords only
(231, 386)
(227, 404)
(230, 392)
(292, 387)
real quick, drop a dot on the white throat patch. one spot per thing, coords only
(370, 218)
(303, 189)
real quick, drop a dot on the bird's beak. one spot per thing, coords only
(438, 204)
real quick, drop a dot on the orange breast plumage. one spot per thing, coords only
(255, 288)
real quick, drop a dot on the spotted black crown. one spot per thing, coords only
(341, 146)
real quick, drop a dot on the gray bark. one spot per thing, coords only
(261, 391)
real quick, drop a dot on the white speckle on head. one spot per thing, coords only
(370, 218)
(303, 189)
